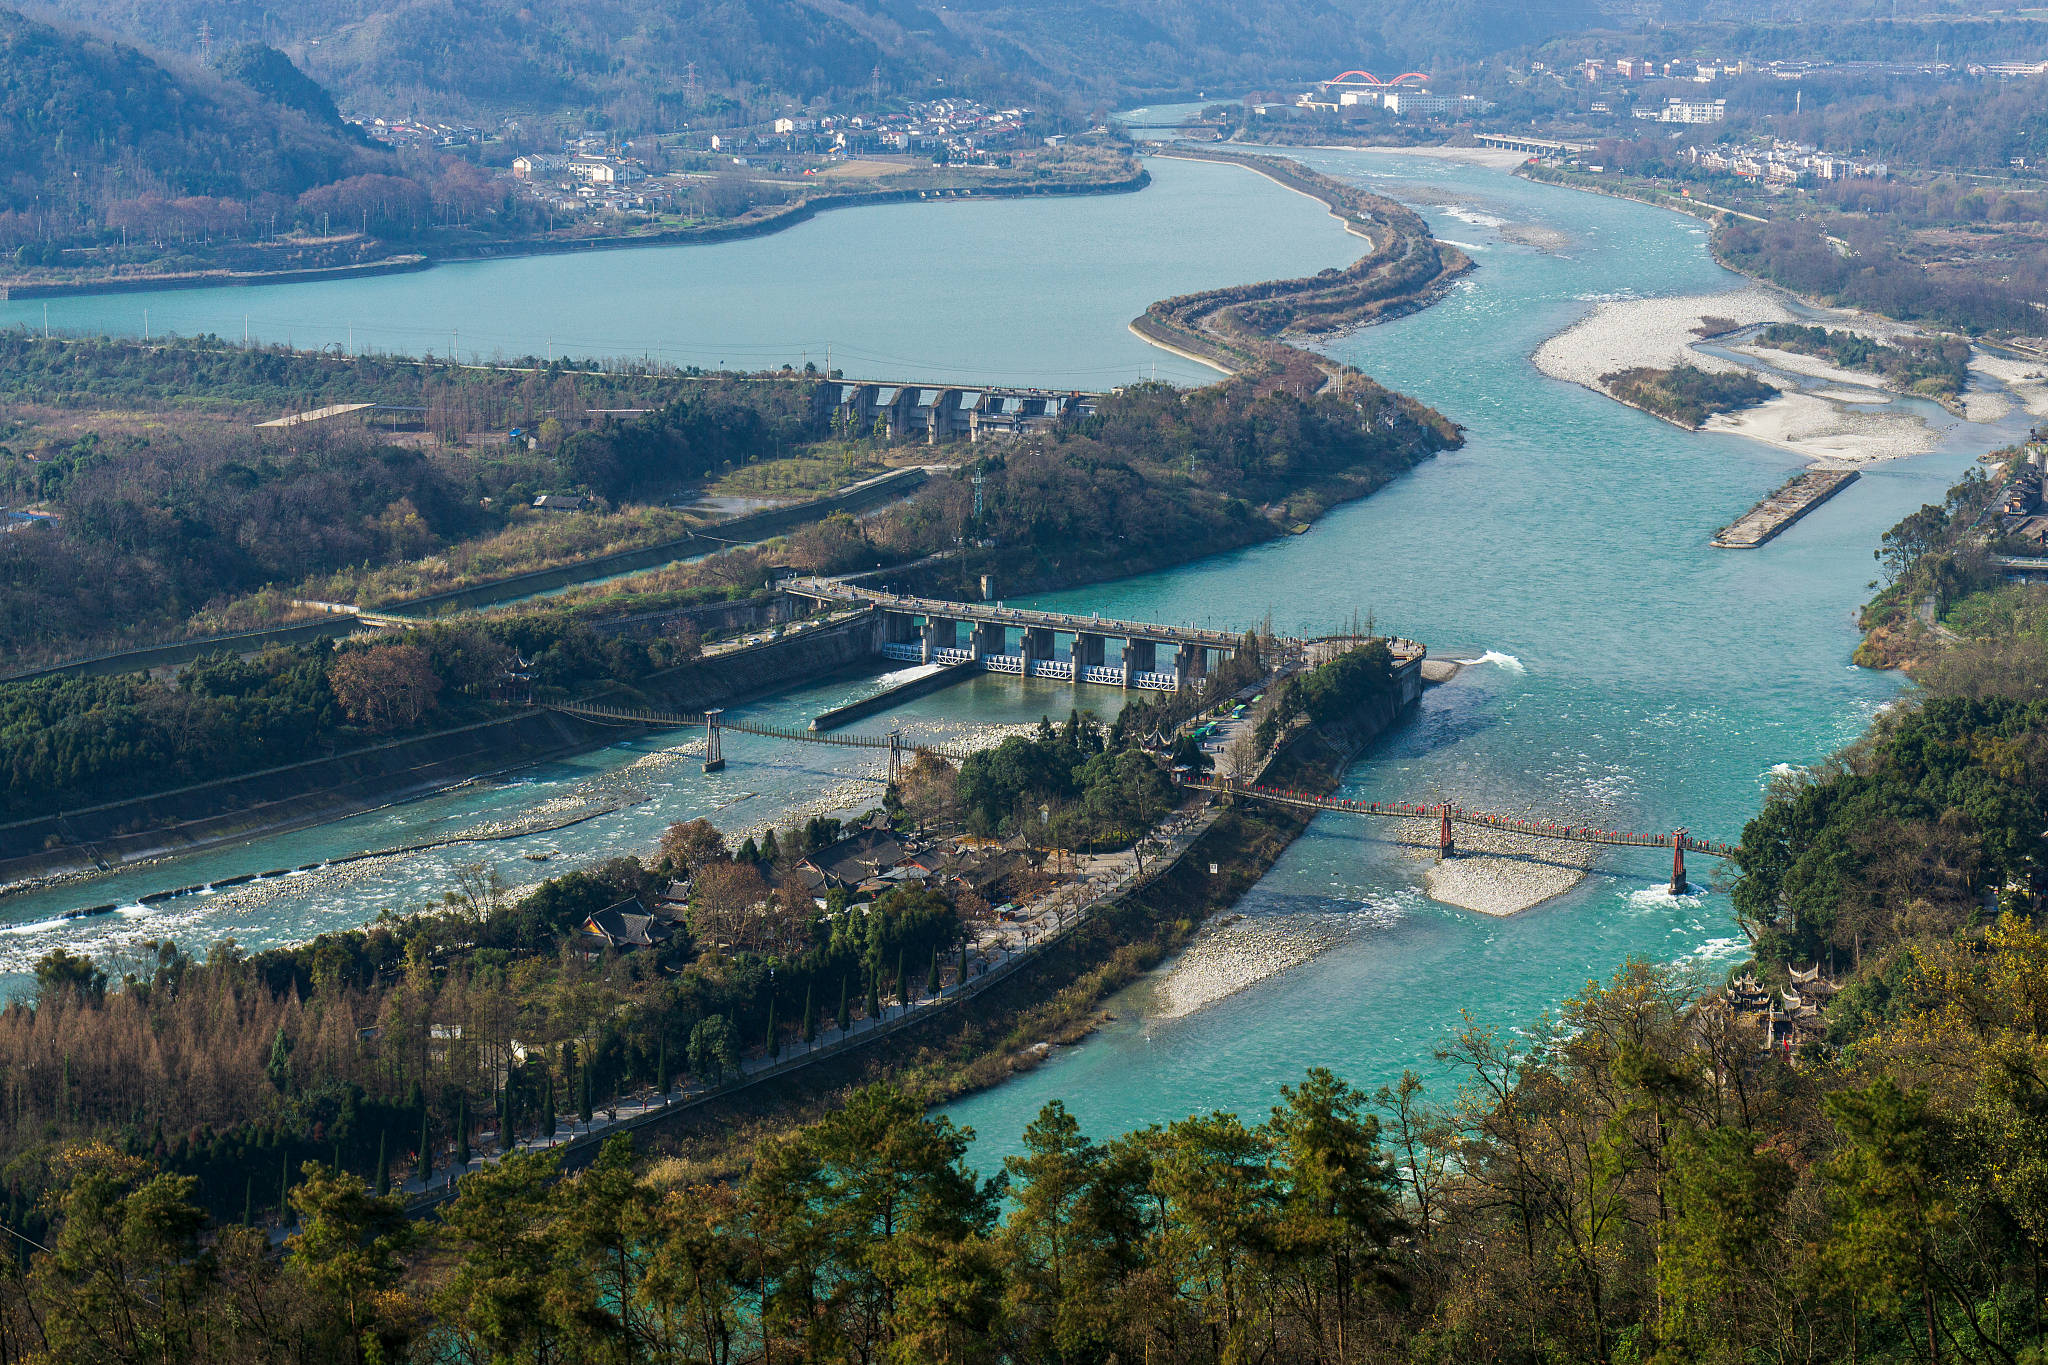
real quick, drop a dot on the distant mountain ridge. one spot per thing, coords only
(635, 58)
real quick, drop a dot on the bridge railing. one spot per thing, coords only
(1582, 834)
(683, 721)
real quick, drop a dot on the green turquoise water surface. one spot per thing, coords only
(1632, 675)
(1629, 674)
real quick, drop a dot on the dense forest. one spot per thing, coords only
(155, 524)
(625, 60)
(101, 139)
(1882, 274)
(194, 521)
(1687, 394)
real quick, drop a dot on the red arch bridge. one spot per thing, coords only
(1366, 78)
(1679, 841)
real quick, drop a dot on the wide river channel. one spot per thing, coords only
(1632, 675)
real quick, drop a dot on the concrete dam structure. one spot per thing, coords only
(1151, 656)
(937, 413)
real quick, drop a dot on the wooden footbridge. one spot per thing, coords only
(1679, 841)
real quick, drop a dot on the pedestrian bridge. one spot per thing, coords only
(1150, 656)
(1679, 841)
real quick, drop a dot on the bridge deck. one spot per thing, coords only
(832, 590)
(1541, 829)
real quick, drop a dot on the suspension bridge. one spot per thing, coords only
(1447, 816)
(716, 727)
(1679, 841)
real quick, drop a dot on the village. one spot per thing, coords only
(603, 171)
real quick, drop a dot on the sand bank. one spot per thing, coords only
(1240, 952)
(1853, 421)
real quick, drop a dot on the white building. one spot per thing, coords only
(1678, 110)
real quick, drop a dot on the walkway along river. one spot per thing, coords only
(1629, 676)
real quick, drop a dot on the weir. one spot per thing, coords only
(927, 630)
(936, 413)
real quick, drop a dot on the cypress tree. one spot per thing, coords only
(426, 1149)
(337, 1157)
(931, 978)
(810, 1016)
(774, 1038)
(383, 1161)
(874, 995)
(462, 1132)
(248, 1204)
(902, 980)
(845, 1012)
(284, 1186)
(661, 1068)
(505, 1120)
(548, 1094)
(583, 1110)
(963, 964)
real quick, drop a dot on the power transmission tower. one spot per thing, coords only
(875, 84)
(690, 84)
(205, 40)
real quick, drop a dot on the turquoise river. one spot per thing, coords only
(1630, 674)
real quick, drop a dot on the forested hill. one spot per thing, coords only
(631, 59)
(92, 129)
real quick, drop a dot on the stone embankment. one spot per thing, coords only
(1237, 329)
(1783, 507)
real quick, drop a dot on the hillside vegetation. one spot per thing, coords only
(99, 137)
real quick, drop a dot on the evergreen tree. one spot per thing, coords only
(845, 1018)
(279, 1067)
(248, 1205)
(383, 1162)
(769, 849)
(963, 964)
(426, 1166)
(548, 1120)
(902, 979)
(583, 1108)
(874, 994)
(774, 1037)
(750, 852)
(931, 978)
(661, 1078)
(284, 1185)
(462, 1133)
(505, 1117)
(810, 1016)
